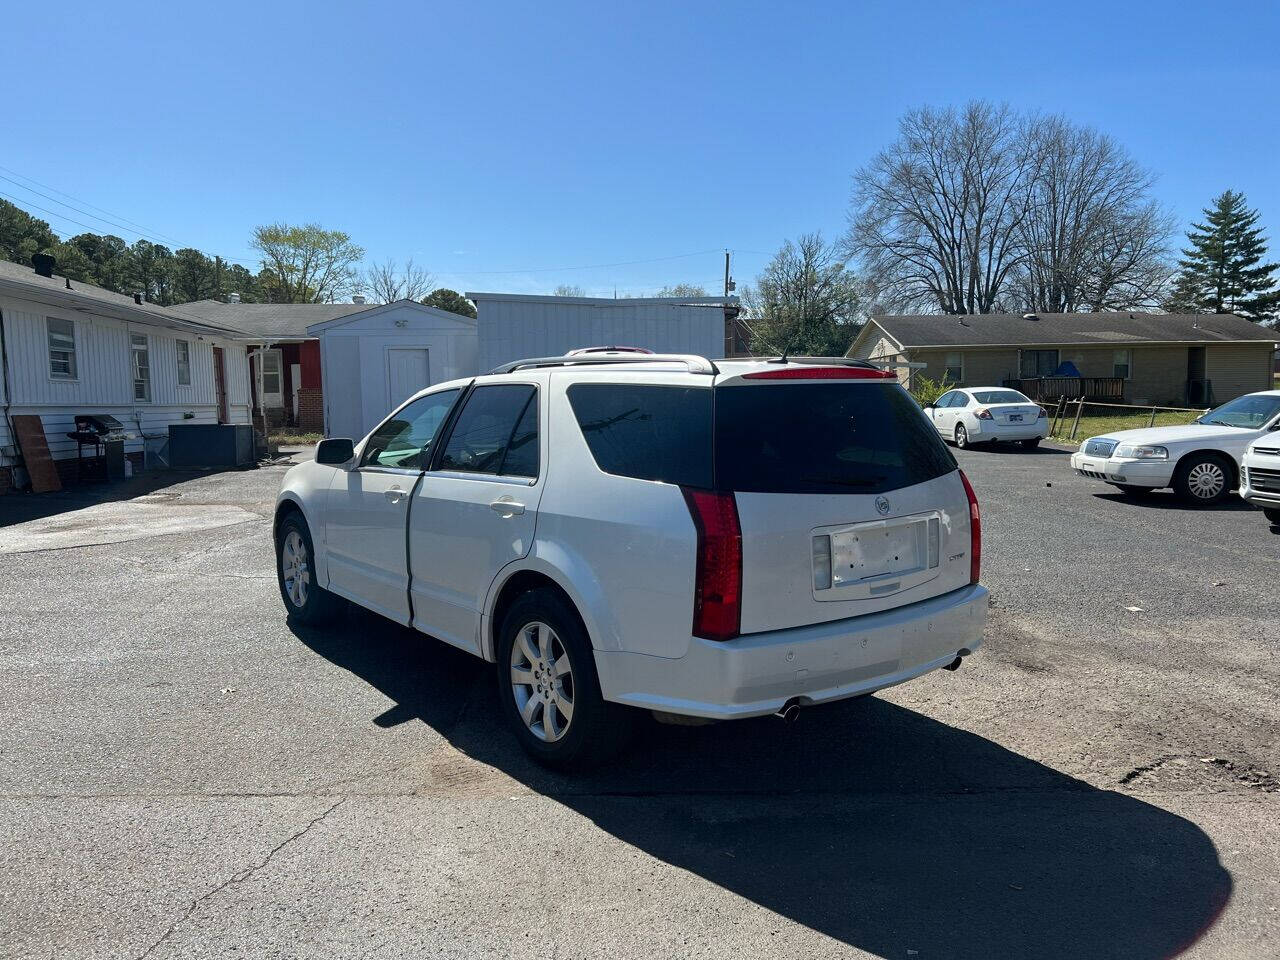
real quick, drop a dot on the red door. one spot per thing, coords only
(220, 385)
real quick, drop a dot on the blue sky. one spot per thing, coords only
(499, 143)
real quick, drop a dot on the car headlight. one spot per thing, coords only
(1141, 451)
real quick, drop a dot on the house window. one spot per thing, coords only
(1120, 365)
(1039, 363)
(271, 373)
(62, 348)
(184, 363)
(141, 367)
(954, 371)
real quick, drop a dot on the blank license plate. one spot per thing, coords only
(1015, 418)
(878, 551)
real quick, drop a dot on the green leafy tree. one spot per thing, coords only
(109, 257)
(238, 279)
(1224, 269)
(151, 271)
(442, 298)
(805, 302)
(194, 276)
(21, 234)
(306, 264)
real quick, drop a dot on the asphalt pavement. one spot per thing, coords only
(184, 774)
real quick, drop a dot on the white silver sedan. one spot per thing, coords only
(987, 414)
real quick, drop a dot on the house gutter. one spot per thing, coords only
(115, 311)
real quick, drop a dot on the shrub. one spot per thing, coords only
(928, 391)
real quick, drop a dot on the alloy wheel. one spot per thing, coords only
(295, 569)
(1206, 480)
(962, 436)
(542, 681)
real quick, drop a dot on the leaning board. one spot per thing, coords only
(35, 453)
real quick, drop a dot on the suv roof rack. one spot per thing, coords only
(821, 361)
(694, 363)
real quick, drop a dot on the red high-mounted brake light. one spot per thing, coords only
(717, 592)
(821, 373)
(975, 531)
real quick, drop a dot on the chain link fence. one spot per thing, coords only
(1075, 420)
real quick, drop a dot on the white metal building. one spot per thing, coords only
(72, 348)
(374, 359)
(515, 326)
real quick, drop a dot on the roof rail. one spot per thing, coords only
(821, 361)
(694, 363)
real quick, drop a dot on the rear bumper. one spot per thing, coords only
(757, 674)
(1134, 473)
(1031, 430)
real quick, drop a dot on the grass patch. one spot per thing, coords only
(292, 437)
(1092, 425)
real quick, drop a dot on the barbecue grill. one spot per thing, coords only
(105, 436)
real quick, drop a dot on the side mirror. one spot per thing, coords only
(927, 407)
(335, 452)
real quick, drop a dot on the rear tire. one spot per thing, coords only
(1273, 515)
(962, 437)
(1031, 444)
(306, 601)
(1203, 479)
(549, 689)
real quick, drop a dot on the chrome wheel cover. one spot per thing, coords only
(962, 436)
(1206, 480)
(294, 569)
(542, 681)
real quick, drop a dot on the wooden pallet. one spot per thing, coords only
(35, 453)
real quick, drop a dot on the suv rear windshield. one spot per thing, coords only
(824, 438)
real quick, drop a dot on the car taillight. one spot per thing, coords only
(975, 531)
(1042, 414)
(717, 592)
(821, 373)
(982, 413)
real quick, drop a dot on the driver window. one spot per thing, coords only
(482, 438)
(943, 401)
(401, 441)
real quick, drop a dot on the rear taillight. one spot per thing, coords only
(821, 373)
(717, 593)
(1042, 414)
(975, 531)
(982, 413)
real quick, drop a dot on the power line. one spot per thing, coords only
(141, 227)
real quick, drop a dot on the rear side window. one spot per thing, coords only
(496, 432)
(824, 438)
(649, 432)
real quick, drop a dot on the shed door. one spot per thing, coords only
(407, 373)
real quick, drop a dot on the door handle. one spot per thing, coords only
(394, 494)
(507, 507)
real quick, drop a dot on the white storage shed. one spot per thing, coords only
(516, 326)
(373, 360)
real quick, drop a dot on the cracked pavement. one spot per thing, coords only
(183, 775)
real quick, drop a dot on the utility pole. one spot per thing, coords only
(730, 317)
(217, 278)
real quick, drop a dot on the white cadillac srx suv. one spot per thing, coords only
(617, 530)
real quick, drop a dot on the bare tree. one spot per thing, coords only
(386, 283)
(805, 301)
(937, 216)
(306, 264)
(568, 290)
(1092, 239)
(682, 290)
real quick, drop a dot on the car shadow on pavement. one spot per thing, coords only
(1168, 500)
(20, 507)
(866, 821)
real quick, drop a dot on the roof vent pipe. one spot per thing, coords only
(357, 298)
(233, 298)
(137, 298)
(1029, 316)
(43, 263)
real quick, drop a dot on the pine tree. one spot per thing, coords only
(1223, 269)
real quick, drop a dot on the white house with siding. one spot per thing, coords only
(69, 348)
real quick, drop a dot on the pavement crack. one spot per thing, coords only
(240, 877)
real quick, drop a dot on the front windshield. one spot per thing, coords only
(1252, 412)
(1000, 396)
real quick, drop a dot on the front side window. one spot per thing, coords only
(946, 400)
(1039, 363)
(647, 432)
(954, 371)
(1120, 365)
(495, 432)
(184, 363)
(141, 367)
(62, 348)
(406, 440)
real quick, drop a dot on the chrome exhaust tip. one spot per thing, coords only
(790, 710)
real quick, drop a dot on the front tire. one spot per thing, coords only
(549, 689)
(306, 601)
(1204, 479)
(1273, 515)
(962, 437)
(1129, 490)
